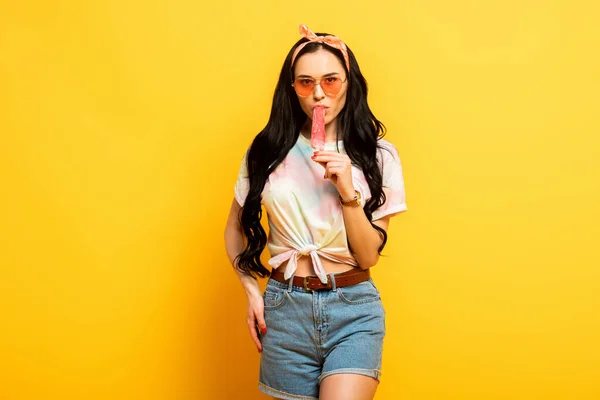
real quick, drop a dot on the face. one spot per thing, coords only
(319, 66)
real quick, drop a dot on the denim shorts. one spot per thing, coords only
(312, 335)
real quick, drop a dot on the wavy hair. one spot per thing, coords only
(357, 126)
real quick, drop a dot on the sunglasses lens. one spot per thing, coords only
(304, 87)
(331, 85)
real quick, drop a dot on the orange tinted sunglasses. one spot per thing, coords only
(331, 85)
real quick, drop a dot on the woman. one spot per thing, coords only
(320, 323)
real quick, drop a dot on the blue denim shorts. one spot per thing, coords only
(312, 335)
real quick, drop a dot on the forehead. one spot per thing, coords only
(318, 63)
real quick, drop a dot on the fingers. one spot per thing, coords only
(254, 334)
(327, 156)
(256, 323)
(338, 168)
(335, 168)
(260, 322)
(334, 163)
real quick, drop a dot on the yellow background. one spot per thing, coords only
(122, 125)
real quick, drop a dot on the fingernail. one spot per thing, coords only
(259, 350)
(264, 331)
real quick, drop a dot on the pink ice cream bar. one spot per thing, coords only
(317, 135)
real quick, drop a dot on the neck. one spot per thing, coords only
(330, 130)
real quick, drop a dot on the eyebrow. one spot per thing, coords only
(324, 76)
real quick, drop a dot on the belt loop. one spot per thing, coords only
(291, 284)
(333, 286)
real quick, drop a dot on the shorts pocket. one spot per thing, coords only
(364, 292)
(274, 297)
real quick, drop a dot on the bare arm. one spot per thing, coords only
(234, 245)
(363, 238)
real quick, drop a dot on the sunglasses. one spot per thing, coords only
(331, 85)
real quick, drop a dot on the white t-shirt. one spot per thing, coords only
(305, 217)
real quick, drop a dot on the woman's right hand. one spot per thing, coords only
(256, 319)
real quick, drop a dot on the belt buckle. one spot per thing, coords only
(305, 283)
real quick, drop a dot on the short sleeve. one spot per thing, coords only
(393, 182)
(242, 185)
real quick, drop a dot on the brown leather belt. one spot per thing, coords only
(312, 282)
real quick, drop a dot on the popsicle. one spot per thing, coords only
(317, 135)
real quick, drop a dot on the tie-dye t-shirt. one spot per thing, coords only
(304, 215)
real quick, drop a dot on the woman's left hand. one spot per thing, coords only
(338, 169)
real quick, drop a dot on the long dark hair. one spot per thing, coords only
(360, 131)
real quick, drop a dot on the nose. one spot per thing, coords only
(318, 93)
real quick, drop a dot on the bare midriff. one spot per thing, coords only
(305, 267)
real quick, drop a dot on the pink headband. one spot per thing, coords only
(332, 41)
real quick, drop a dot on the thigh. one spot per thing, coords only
(355, 332)
(348, 387)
